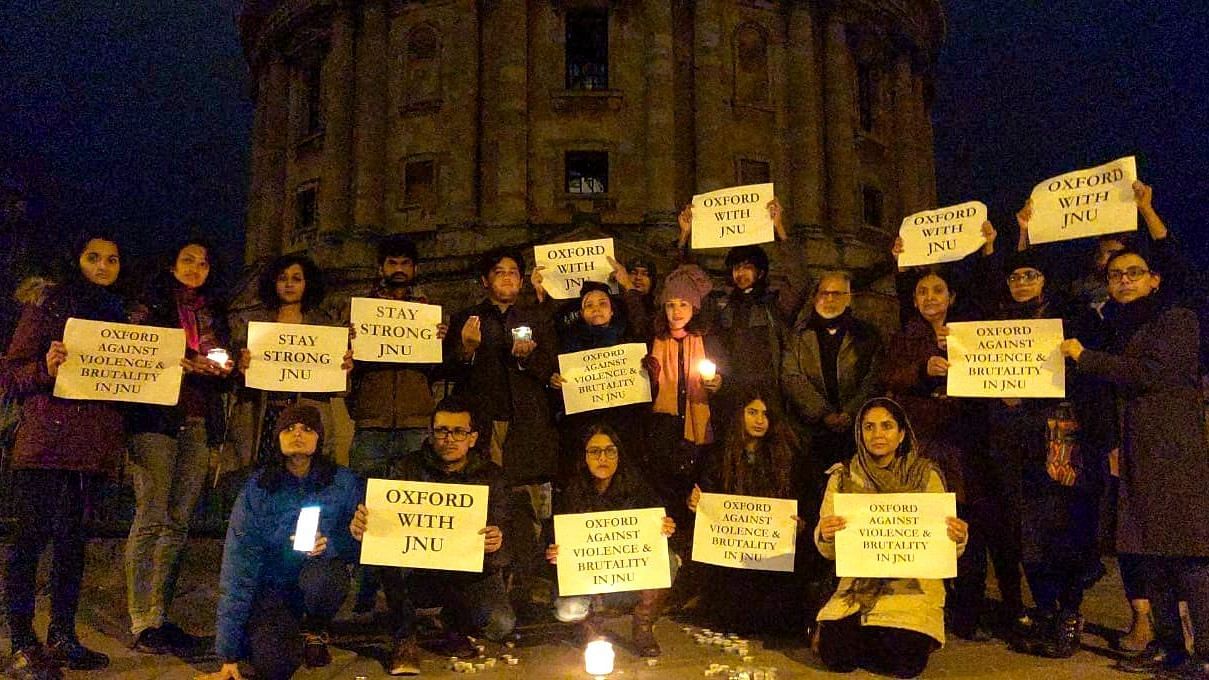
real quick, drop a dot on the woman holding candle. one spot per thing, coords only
(885, 625)
(686, 366)
(169, 446)
(291, 289)
(606, 482)
(64, 450)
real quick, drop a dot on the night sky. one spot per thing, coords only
(136, 114)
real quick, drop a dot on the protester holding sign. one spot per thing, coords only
(64, 450)
(605, 481)
(472, 603)
(290, 290)
(887, 626)
(756, 457)
(1150, 363)
(276, 601)
(170, 454)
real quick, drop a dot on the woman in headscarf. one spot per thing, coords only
(64, 450)
(884, 625)
(607, 481)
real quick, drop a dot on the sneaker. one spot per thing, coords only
(1153, 659)
(66, 650)
(405, 657)
(31, 663)
(314, 650)
(151, 641)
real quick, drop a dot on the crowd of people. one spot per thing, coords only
(807, 401)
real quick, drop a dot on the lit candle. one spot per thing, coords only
(707, 369)
(219, 356)
(598, 658)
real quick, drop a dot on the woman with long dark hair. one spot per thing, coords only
(606, 481)
(888, 626)
(170, 454)
(64, 450)
(290, 289)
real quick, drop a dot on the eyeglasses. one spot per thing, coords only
(606, 452)
(457, 434)
(1024, 277)
(1130, 274)
(834, 294)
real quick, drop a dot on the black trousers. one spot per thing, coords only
(471, 604)
(846, 645)
(280, 614)
(1169, 580)
(49, 506)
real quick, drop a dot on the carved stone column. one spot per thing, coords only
(805, 119)
(370, 133)
(714, 169)
(839, 99)
(270, 137)
(907, 148)
(927, 165)
(338, 77)
(512, 109)
(660, 110)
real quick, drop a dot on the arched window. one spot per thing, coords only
(422, 66)
(751, 64)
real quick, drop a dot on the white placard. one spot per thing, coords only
(121, 362)
(604, 378)
(1085, 203)
(424, 525)
(745, 532)
(1018, 358)
(737, 216)
(895, 535)
(611, 552)
(395, 331)
(294, 357)
(942, 235)
(569, 265)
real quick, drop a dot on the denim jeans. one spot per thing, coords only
(169, 473)
(374, 451)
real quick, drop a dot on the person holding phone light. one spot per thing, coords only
(276, 602)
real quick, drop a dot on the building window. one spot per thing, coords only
(867, 96)
(751, 65)
(587, 49)
(306, 211)
(587, 172)
(422, 66)
(310, 99)
(750, 171)
(872, 200)
(420, 186)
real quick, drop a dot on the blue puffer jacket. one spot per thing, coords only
(258, 552)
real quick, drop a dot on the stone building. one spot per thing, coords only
(477, 123)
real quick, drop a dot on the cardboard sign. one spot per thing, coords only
(121, 362)
(568, 265)
(895, 535)
(745, 532)
(424, 525)
(294, 357)
(604, 378)
(737, 216)
(395, 331)
(1085, 203)
(611, 552)
(1016, 359)
(942, 235)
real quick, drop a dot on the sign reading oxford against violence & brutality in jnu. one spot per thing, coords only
(1017, 358)
(604, 378)
(737, 216)
(895, 535)
(424, 525)
(1085, 203)
(121, 362)
(611, 552)
(942, 235)
(395, 331)
(745, 532)
(566, 266)
(294, 357)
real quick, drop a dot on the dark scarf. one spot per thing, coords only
(1126, 319)
(1035, 308)
(584, 336)
(77, 297)
(831, 334)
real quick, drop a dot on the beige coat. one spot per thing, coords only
(911, 604)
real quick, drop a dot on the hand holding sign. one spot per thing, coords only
(55, 356)
(737, 216)
(895, 535)
(941, 235)
(1084, 203)
(566, 266)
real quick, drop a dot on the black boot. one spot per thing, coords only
(1031, 630)
(643, 629)
(65, 649)
(1065, 639)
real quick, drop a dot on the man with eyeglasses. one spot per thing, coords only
(472, 603)
(828, 371)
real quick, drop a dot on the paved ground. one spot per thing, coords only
(546, 652)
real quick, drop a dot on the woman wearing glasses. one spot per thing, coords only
(606, 481)
(1150, 363)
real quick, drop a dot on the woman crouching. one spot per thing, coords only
(885, 625)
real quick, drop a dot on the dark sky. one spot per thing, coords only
(137, 112)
